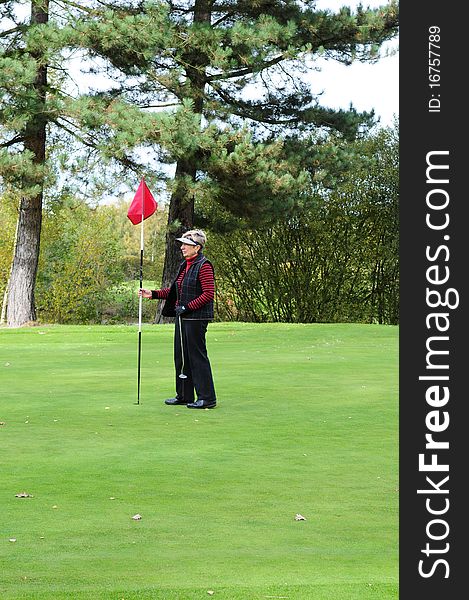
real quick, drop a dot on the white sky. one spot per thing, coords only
(366, 86)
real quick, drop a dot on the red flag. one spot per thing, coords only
(142, 204)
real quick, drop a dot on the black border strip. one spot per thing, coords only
(433, 255)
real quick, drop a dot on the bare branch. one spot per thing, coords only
(8, 32)
(16, 140)
(246, 71)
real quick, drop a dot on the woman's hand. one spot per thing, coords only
(144, 293)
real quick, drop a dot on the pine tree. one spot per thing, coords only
(238, 66)
(35, 108)
(28, 72)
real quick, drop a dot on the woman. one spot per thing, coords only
(190, 300)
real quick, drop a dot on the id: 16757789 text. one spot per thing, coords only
(434, 76)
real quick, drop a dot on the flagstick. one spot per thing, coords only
(140, 303)
(140, 210)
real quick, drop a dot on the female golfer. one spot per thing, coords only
(190, 300)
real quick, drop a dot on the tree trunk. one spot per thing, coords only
(21, 306)
(181, 207)
(180, 219)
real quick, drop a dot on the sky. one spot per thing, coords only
(366, 86)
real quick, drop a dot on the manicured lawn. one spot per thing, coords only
(307, 422)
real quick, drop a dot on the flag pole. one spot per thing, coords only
(143, 206)
(140, 300)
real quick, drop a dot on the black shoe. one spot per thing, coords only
(174, 401)
(202, 404)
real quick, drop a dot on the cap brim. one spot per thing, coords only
(187, 241)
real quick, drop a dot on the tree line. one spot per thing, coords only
(215, 88)
(334, 260)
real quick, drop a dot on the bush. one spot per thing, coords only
(79, 262)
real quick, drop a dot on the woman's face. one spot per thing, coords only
(188, 251)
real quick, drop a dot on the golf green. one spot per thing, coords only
(306, 424)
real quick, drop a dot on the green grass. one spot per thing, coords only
(307, 422)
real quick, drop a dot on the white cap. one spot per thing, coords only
(194, 237)
(187, 240)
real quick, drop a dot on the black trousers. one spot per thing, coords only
(196, 362)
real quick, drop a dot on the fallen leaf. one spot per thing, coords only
(137, 517)
(299, 517)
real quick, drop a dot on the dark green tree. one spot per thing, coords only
(238, 66)
(336, 259)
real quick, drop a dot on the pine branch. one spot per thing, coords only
(16, 140)
(245, 109)
(60, 122)
(124, 160)
(70, 3)
(18, 29)
(246, 71)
